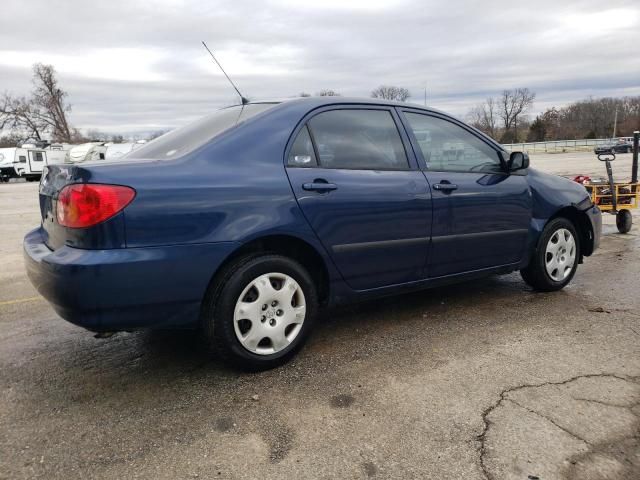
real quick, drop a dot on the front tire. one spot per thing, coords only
(555, 259)
(260, 311)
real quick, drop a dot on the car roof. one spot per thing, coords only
(302, 105)
(314, 102)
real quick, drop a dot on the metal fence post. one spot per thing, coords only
(634, 165)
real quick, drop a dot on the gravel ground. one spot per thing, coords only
(486, 380)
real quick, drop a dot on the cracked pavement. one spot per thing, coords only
(485, 380)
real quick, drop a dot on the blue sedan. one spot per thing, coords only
(247, 223)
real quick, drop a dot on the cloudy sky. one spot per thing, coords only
(139, 65)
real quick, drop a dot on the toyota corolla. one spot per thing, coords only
(247, 223)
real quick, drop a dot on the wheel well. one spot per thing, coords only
(583, 226)
(291, 247)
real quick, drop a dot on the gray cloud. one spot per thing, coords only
(134, 66)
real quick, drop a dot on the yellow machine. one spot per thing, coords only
(616, 198)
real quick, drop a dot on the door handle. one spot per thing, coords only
(445, 186)
(319, 186)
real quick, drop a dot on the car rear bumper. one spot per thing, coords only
(125, 288)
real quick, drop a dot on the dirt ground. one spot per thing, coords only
(485, 380)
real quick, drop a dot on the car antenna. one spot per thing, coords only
(242, 98)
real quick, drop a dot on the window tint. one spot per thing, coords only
(186, 139)
(358, 139)
(302, 154)
(448, 147)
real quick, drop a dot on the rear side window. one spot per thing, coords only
(302, 154)
(358, 139)
(186, 139)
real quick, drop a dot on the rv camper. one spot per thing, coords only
(30, 159)
(87, 152)
(116, 151)
(7, 157)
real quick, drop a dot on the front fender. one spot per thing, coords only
(555, 196)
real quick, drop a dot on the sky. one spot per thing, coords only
(137, 66)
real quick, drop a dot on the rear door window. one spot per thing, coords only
(358, 139)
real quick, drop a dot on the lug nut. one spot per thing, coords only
(274, 303)
(279, 312)
(272, 322)
(264, 306)
(263, 319)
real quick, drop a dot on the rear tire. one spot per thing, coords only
(236, 323)
(624, 220)
(554, 261)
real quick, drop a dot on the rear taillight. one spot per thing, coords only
(82, 205)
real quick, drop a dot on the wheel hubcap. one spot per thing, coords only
(560, 254)
(269, 313)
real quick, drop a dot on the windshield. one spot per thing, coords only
(183, 140)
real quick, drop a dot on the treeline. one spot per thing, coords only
(506, 118)
(590, 118)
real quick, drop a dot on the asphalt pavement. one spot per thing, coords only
(484, 380)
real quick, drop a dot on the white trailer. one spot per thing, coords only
(29, 160)
(7, 157)
(87, 152)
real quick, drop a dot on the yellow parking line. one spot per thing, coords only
(20, 300)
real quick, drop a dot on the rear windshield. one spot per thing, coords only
(185, 139)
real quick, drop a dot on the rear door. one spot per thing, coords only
(481, 214)
(362, 194)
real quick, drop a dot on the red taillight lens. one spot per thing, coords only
(82, 205)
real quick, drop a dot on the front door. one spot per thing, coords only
(481, 214)
(363, 195)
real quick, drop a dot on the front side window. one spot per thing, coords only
(358, 139)
(446, 146)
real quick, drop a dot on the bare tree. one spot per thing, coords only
(11, 140)
(45, 111)
(23, 115)
(51, 99)
(484, 117)
(513, 104)
(327, 93)
(304, 94)
(390, 92)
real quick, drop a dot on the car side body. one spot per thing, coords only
(380, 232)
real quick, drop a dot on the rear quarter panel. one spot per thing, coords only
(233, 189)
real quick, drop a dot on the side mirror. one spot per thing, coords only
(518, 161)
